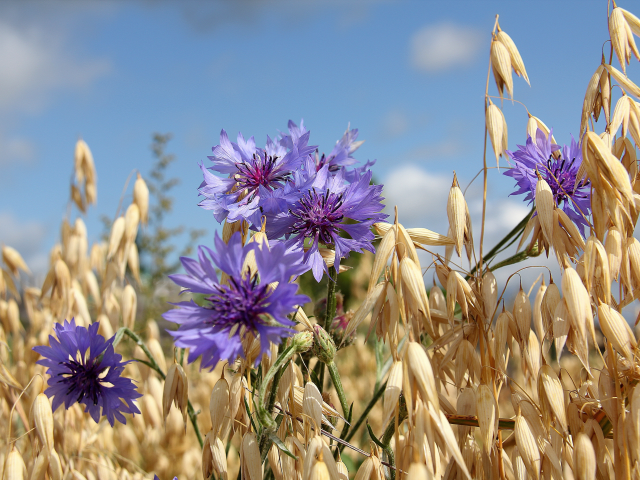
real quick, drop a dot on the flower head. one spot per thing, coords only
(320, 209)
(246, 304)
(559, 171)
(249, 169)
(84, 368)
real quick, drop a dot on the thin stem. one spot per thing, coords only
(484, 155)
(335, 378)
(517, 258)
(495, 250)
(376, 396)
(154, 366)
(331, 298)
(264, 413)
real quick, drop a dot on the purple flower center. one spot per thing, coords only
(84, 377)
(561, 177)
(240, 303)
(317, 216)
(260, 170)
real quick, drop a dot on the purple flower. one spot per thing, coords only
(570, 194)
(250, 169)
(246, 304)
(84, 368)
(320, 209)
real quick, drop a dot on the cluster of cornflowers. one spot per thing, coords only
(308, 202)
(302, 202)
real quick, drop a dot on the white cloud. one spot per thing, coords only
(34, 62)
(26, 237)
(15, 150)
(443, 46)
(394, 124)
(421, 197)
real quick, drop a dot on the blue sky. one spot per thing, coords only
(409, 75)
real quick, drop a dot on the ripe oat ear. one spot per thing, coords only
(497, 129)
(514, 54)
(457, 214)
(501, 66)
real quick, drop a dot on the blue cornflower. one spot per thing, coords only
(559, 171)
(84, 368)
(249, 169)
(319, 208)
(246, 304)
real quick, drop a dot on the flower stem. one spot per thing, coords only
(496, 249)
(376, 396)
(331, 298)
(275, 373)
(335, 378)
(154, 366)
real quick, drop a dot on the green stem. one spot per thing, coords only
(495, 250)
(517, 258)
(337, 383)
(376, 396)
(264, 413)
(154, 365)
(331, 298)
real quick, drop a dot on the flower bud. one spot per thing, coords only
(302, 341)
(323, 346)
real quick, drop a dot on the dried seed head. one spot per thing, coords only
(250, 461)
(501, 65)
(117, 232)
(584, 458)
(522, 315)
(141, 198)
(534, 124)
(129, 306)
(497, 129)
(622, 38)
(219, 406)
(514, 55)
(487, 416)
(489, 294)
(554, 394)
(613, 247)
(176, 390)
(132, 220)
(14, 467)
(456, 212)
(13, 260)
(527, 447)
(392, 390)
(133, 261)
(590, 97)
(43, 420)
(420, 371)
(545, 205)
(617, 331)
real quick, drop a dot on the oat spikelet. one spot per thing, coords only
(43, 420)
(514, 54)
(590, 97)
(456, 213)
(392, 391)
(584, 458)
(14, 467)
(497, 129)
(501, 66)
(419, 368)
(129, 306)
(617, 331)
(487, 417)
(622, 38)
(141, 198)
(176, 390)
(14, 261)
(527, 447)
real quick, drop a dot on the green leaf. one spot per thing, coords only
(280, 444)
(118, 336)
